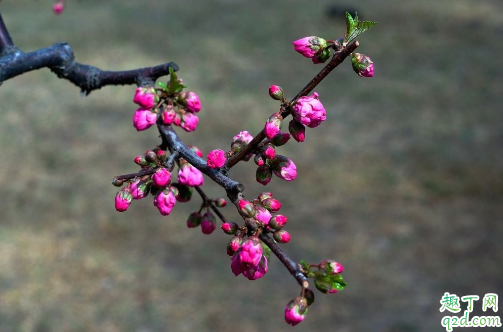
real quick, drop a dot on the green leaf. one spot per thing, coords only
(162, 85)
(355, 27)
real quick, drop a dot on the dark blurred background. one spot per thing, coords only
(403, 183)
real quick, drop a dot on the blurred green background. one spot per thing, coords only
(403, 184)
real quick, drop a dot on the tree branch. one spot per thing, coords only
(336, 60)
(60, 59)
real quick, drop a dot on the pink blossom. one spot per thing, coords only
(309, 46)
(191, 101)
(309, 111)
(243, 136)
(189, 122)
(58, 7)
(284, 168)
(190, 176)
(161, 177)
(123, 199)
(144, 119)
(296, 311)
(165, 201)
(263, 215)
(271, 129)
(145, 97)
(216, 158)
(251, 251)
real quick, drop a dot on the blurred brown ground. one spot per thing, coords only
(403, 183)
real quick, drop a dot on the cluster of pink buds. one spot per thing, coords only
(168, 102)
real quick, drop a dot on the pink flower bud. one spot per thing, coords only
(264, 195)
(284, 168)
(234, 245)
(263, 174)
(190, 100)
(145, 97)
(251, 251)
(280, 139)
(194, 220)
(184, 192)
(259, 159)
(118, 183)
(296, 311)
(220, 202)
(161, 177)
(297, 130)
(272, 126)
(276, 92)
(190, 176)
(278, 221)
(165, 201)
(189, 122)
(216, 158)
(150, 156)
(362, 65)
(263, 215)
(177, 120)
(140, 189)
(242, 137)
(161, 155)
(269, 152)
(309, 46)
(271, 204)
(144, 119)
(208, 224)
(246, 208)
(168, 115)
(196, 150)
(309, 111)
(58, 7)
(281, 236)
(254, 272)
(123, 199)
(230, 228)
(140, 160)
(331, 267)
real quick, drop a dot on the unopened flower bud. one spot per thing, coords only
(331, 267)
(117, 183)
(144, 119)
(272, 205)
(309, 111)
(140, 189)
(165, 201)
(168, 115)
(309, 295)
(230, 228)
(243, 137)
(278, 221)
(246, 209)
(362, 65)
(216, 158)
(281, 236)
(280, 139)
(196, 150)
(273, 125)
(146, 98)
(150, 156)
(208, 224)
(123, 199)
(234, 245)
(264, 195)
(189, 122)
(321, 57)
(296, 311)
(177, 120)
(298, 131)
(190, 100)
(58, 7)
(140, 160)
(263, 215)
(268, 151)
(309, 46)
(284, 168)
(259, 159)
(251, 251)
(220, 202)
(161, 155)
(161, 177)
(264, 174)
(194, 220)
(276, 92)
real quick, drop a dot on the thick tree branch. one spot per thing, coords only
(60, 59)
(336, 60)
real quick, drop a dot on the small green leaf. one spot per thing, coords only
(162, 85)
(355, 27)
